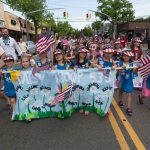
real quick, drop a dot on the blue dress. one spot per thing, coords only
(126, 79)
(9, 89)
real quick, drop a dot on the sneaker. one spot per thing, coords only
(120, 103)
(140, 100)
(129, 111)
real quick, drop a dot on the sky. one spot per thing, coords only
(77, 10)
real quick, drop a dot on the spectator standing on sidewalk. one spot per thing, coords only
(9, 44)
(23, 45)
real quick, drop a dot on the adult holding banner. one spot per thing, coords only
(9, 44)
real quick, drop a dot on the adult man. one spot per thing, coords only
(9, 44)
(23, 45)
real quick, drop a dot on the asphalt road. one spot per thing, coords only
(78, 132)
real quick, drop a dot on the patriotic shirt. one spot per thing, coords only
(137, 54)
(144, 69)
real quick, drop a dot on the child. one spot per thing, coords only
(126, 80)
(26, 63)
(82, 62)
(59, 61)
(106, 61)
(26, 66)
(101, 48)
(136, 49)
(43, 61)
(118, 51)
(9, 89)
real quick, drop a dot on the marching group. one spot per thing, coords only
(77, 53)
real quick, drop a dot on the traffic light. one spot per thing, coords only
(65, 14)
(87, 16)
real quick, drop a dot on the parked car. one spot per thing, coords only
(31, 47)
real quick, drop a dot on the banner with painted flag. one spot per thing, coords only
(45, 42)
(59, 93)
(144, 69)
(63, 95)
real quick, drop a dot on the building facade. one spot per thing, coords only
(135, 28)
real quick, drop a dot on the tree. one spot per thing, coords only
(26, 6)
(64, 28)
(87, 31)
(49, 21)
(116, 11)
(97, 26)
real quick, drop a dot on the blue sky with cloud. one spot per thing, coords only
(78, 8)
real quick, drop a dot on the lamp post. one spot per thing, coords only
(111, 20)
(35, 12)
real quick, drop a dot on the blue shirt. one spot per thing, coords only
(62, 67)
(40, 64)
(9, 88)
(85, 65)
(105, 64)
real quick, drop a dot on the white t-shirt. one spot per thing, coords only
(23, 47)
(11, 47)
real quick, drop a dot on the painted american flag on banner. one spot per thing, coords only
(45, 42)
(144, 69)
(62, 96)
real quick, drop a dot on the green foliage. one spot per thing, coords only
(87, 31)
(118, 10)
(65, 29)
(97, 25)
(49, 21)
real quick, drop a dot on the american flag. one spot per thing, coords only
(144, 69)
(45, 42)
(62, 96)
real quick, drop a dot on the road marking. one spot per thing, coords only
(119, 135)
(139, 145)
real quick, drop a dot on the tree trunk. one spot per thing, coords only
(36, 30)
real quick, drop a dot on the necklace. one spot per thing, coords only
(5, 41)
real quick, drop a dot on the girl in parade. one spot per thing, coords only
(126, 80)
(26, 63)
(9, 89)
(117, 51)
(81, 62)
(101, 48)
(59, 61)
(43, 61)
(136, 49)
(107, 60)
